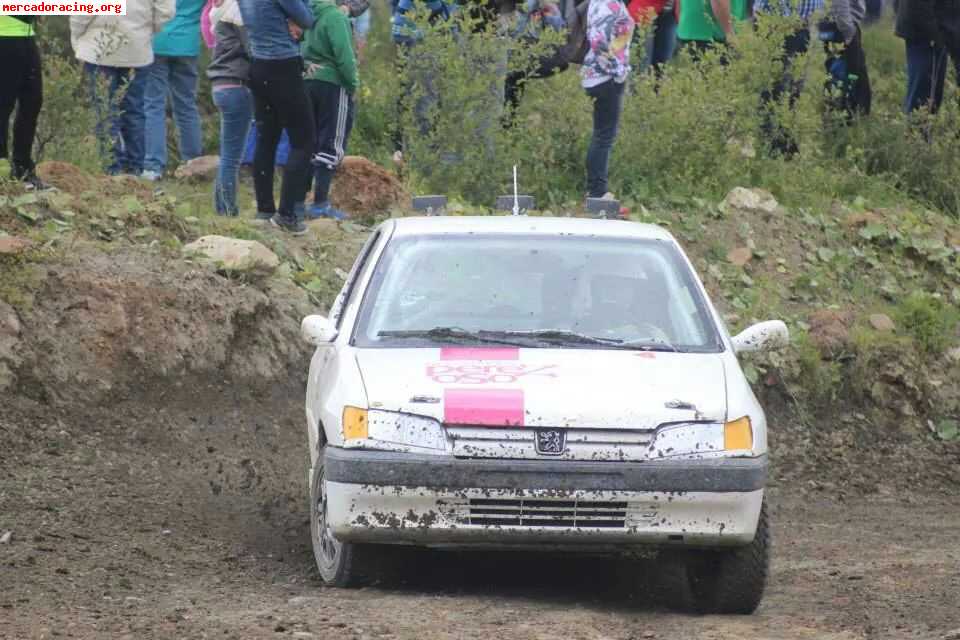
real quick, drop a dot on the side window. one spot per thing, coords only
(336, 311)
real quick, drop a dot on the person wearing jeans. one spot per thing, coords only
(659, 21)
(115, 51)
(21, 87)
(931, 31)
(120, 121)
(228, 71)
(173, 73)
(280, 102)
(603, 76)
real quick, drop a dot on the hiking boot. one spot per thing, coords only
(325, 210)
(293, 226)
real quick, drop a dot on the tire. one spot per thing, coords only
(731, 581)
(341, 564)
(727, 582)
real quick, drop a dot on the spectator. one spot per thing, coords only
(228, 72)
(603, 76)
(704, 24)
(795, 44)
(658, 21)
(173, 73)
(361, 31)
(22, 87)
(331, 82)
(206, 26)
(114, 48)
(874, 11)
(421, 70)
(846, 61)
(931, 31)
(534, 17)
(279, 102)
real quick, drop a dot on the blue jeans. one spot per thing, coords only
(178, 78)
(661, 42)
(120, 120)
(926, 73)
(607, 105)
(236, 111)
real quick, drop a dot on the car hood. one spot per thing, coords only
(570, 388)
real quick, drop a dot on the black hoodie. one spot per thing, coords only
(930, 21)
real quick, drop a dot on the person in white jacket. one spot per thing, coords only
(112, 49)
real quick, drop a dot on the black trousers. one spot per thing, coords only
(851, 93)
(794, 45)
(280, 102)
(333, 110)
(21, 86)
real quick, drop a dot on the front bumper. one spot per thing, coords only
(386, 497)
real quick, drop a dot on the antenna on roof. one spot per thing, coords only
(517, 204)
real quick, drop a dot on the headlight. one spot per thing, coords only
(704, 439)
(393, 431)
(688, 439)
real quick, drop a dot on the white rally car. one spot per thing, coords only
(536, 383)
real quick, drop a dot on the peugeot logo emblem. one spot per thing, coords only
(550, 442)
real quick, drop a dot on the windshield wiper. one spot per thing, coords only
(557, 336)
(560, 336)
(453, 335)
(647, 345)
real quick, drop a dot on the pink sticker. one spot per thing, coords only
(480, 353)
(488, 407)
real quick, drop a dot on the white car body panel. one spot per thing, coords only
(615, 400)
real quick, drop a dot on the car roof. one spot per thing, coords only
(533, 225)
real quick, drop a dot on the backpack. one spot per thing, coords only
(575, 15)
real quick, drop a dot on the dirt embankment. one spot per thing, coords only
(103, 326)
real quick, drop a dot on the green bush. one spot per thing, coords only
(929, 320)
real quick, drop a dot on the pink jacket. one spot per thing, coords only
(205, 27)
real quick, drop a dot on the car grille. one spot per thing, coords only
(597, 445)
(582, 514)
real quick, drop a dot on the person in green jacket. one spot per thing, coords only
(21, 86)
(704, 24)
(331, 80)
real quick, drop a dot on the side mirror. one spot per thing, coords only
(764, 336)
(317, 330)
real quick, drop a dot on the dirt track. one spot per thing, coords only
(167, 518)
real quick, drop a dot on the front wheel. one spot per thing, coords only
(341, 564)
(729, 581)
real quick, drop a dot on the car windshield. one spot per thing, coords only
(535, 291)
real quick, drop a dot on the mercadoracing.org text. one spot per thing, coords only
(63, 8)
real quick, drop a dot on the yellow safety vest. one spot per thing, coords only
(11, 27)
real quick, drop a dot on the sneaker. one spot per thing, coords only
(326, 210)
(398, 158)
(32, 182)
(264, 216)
(152, 176)
(293, 226)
